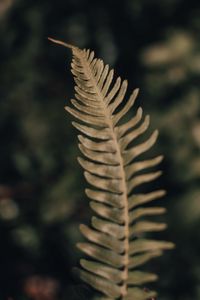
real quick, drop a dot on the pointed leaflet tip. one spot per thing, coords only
(67, 108)
(62, 43)
(137, 91)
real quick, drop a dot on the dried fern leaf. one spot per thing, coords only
(116, 244)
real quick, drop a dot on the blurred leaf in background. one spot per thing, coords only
(155, 44)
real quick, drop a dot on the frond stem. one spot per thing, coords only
(124, 288)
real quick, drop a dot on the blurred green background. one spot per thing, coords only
(156, 45)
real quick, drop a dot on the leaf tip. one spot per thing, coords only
(82, 227)
(171, 246)
(79, 159)
(79, 246)
(66, 108)
(61, 43)
(136, 91)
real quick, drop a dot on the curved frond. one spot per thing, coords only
(116, 240)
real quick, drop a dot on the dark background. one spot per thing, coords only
(155, 44)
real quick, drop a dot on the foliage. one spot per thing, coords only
(117, 243)
(157, 43)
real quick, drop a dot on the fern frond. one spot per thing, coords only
(116, 244)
